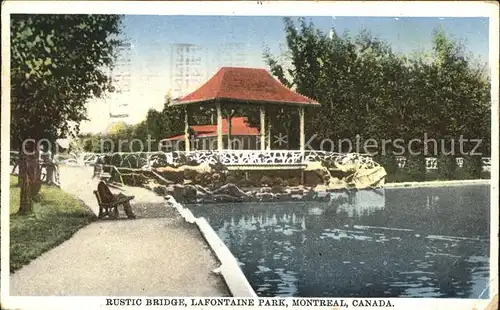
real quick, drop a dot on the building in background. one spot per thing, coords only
(121, 78)
(188, 68)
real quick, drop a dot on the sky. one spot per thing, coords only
(240, 41)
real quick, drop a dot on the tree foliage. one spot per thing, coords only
(157, 125)
(58, 63)
(365, 88)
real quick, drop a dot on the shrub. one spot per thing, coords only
(277, 181)
(415, 168)
(232, 179)
(447, 167)
(292, 182)
(276, 189)
(242, 183)
(473, 167)
(219, 167)
(388, 162)
(116, 160)
(266, 181)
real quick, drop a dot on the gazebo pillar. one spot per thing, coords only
(269, 124)
(230, 115)
(186, 130)
(219, 127)
(302, 142)
(302, 131)
(262, 128)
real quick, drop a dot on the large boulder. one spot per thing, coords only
(296, 190)
(190, 193)
(178, 192)
(368, 178)
(161, 190)
(202, 190)
(201, 168)
(283, 197)
(229, 189)
(265, 189)
(265, 196)
(356, 175)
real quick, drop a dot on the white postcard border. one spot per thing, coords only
(374, 9)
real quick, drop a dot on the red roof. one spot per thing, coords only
(245, 84)
(239, 127)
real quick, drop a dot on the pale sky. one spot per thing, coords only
(153, 38)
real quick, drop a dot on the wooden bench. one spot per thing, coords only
(110, 208)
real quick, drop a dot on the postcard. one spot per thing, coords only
(247, 154)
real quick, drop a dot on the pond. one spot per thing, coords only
(410, 242)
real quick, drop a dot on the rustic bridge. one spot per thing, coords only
(232, 159)
(248, 159)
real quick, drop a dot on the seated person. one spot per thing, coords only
(107, 196)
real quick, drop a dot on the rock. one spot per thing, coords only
(322, 196)
(170, 189)
(265, 189)
(203, 190)
(170, 200)
(348, 167)
(298, 190)
(252, 192)
(284, 197)
(178, 192)
(360, 175)
(150, 185)
(200, 195)
(160, 190)
(265, 196)
(313, 165)
(189, 193)
(226, 198)
(309, 195)
(336, 183)
(229, 189)
(368, 178)
(321, 188)
(296, 197)
(201, 168)
(219, 198)
(277, 189)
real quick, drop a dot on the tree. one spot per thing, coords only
(58, 63)
(366, 89)
(352, 78)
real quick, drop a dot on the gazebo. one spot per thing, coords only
(237, 86)
(207, 134)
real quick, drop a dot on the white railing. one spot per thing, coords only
(257, 157)
(244, 158)
(232, 158)
(431, 163)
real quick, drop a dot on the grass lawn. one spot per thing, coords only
(56, 217)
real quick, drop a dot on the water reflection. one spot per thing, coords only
(428, 242)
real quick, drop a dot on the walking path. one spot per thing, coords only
(158, 254)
